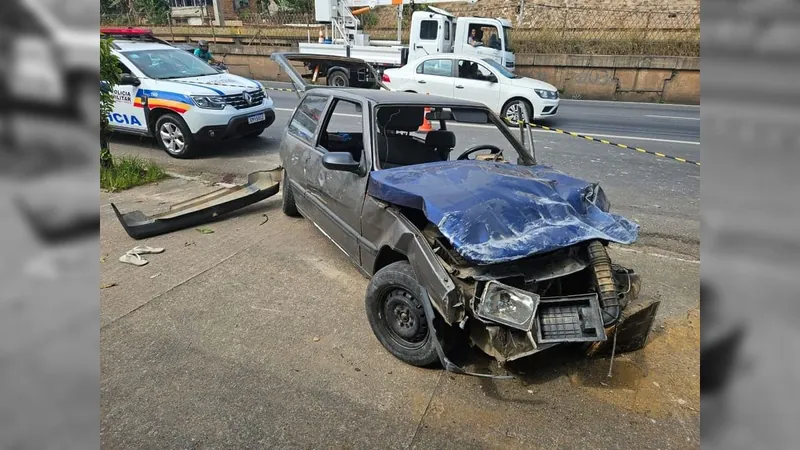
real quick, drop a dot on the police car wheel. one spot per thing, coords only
(174, 136)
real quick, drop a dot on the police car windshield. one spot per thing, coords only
(165, 64)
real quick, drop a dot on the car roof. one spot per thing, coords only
(384, 97)
(125, 45)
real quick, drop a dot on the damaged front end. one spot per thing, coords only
(573, 295)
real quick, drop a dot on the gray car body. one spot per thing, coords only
(370, 232)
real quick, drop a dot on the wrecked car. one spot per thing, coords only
(421, 194)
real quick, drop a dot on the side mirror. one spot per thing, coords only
(492, 79)
(129, 80)
(341, 161)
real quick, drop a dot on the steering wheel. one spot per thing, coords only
(497, 151)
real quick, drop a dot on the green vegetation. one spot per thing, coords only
(127, 172)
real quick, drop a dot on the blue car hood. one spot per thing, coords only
(495, 212)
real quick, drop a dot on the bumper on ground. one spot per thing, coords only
(237, 127)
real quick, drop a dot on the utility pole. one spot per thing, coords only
(218, 14)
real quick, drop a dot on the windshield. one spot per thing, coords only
(499, 67)
(507, 39)
(163, 64)
(453, 131)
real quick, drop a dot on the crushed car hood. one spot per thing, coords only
(494, 212)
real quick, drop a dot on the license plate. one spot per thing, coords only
(256, 118)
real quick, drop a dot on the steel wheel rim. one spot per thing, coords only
(172, 138)
(338, 81)
(404, 321)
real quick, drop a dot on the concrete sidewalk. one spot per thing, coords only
(255, 335)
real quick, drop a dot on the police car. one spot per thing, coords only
(175, 97)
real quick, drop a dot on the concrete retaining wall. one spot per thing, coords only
(588, 77)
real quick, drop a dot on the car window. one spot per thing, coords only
(307, 117)
(344, 130)
(473, 71)
(428, 30)
(439, 67)
(172, 63)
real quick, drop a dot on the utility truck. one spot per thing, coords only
(432, 31)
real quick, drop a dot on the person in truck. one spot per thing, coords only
(203, 52)
(476, 37)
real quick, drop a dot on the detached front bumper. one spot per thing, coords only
(237, 127)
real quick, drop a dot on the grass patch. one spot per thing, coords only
(129, 172)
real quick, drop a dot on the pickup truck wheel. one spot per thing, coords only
(396, 316)
(174, 136)
(287, 196)
(338, 78)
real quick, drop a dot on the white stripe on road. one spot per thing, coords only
(672, 117)
(610, 136)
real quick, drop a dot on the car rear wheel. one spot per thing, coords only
(338, 78)
(174, 136)
(287, 196)
(513, 108)
(396, 315)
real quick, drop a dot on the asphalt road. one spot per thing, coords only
(662, 195)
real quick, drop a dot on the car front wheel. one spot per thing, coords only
(512, 110)
(396, 315)
(174, 136)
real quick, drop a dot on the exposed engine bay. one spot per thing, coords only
(516, 309)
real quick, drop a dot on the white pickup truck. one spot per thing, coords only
(433, 31)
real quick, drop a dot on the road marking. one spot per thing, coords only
(611, 136)
(672, 117)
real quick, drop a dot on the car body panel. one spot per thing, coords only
(201, 209)
(533, 210)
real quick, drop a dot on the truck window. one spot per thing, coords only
(429, 30)
(438, 67)
(344, 131)
(307, 117)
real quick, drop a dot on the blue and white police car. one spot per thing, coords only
(175, 97)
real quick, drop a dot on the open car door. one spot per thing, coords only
(354, 65)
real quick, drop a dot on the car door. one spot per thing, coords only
(128, 112)
(339, 195)
(476, 84)
(435, 77)
(297, 145)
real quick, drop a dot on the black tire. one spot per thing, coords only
(254, 133)
(396, 316)
(287, 196)
(338, 78)
(173, 122)
(505, 113)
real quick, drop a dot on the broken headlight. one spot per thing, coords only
(508, 305)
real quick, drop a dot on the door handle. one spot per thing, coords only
(459, 87)
(421, 81)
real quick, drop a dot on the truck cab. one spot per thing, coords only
(437, 31)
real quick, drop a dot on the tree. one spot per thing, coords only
(109, 77)
(296, 5)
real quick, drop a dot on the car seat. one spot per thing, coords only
(442, 142)
(402, 149)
